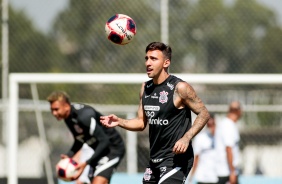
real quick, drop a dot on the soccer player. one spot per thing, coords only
(84, 123)
(165, 104)
(227, 139)
(203, 170)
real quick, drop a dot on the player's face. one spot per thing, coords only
(60, 109)
(155, 63)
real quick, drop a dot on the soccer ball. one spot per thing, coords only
(65, 169)
(120, 29)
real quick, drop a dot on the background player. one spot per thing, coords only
(203, 170)
(83, 122)
(165, 104)
(227, 139)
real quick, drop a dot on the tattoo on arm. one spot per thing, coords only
(199, 123)
(190, 99)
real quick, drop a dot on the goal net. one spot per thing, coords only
(35, 138)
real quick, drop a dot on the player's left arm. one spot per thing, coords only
(185, 95)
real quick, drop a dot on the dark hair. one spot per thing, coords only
(166, 49)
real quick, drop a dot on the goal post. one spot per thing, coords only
(106, 78)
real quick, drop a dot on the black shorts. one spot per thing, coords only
(165, 175)
(225, 179)
(105, 167)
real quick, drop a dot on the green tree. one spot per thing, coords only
(227, 38)
(82, 27)
(270, 53)
(29, 49)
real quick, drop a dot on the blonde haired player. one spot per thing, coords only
(83, 122)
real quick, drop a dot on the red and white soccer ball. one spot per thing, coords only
(120, 29)
(65, 169)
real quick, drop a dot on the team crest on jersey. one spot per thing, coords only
(77, 128)
(147, 174)
(163, 97)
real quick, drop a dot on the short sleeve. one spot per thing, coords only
(228, 134)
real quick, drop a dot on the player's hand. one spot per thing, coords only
(233, 178)
(181, 146)
(79, 168)
(109, 121)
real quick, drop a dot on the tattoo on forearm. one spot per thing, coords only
(189, 96)
(199, 123)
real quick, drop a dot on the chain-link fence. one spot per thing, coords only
(206, 36)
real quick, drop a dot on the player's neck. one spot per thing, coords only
(233, 117)
(161, 78)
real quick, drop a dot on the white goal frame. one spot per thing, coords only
(107, 78)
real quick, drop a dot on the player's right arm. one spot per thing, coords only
(136, 124)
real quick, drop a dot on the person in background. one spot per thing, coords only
(227, 139)
(165, 105)
(83, 122)
(203, 171)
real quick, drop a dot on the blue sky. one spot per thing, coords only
(43, 12)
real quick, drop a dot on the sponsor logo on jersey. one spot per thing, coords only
(158, 121)
(154, 96)
(152, 121)
(157, 160)
(146, 96)
(171, 86)
(150, 114)
(147, 174)
(163, 97)
(151, 108)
